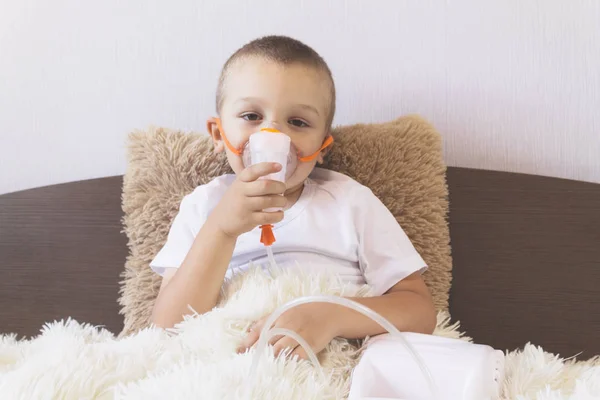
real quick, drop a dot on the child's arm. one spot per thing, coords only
(197, 282)
(407, 305)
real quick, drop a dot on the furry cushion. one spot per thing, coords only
(401, 161)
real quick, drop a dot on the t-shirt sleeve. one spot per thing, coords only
(386, 254)
(182, 233)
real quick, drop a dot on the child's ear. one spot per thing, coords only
(213, 130)
(321, 156)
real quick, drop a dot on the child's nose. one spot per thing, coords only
(272, 125)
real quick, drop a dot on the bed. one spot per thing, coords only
(526, 258)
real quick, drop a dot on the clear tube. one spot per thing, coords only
(264, 336)
(271, 258)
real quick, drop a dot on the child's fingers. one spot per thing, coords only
(264, 202)
(285, 344)
(256, 171)
(267, 218)
(248, 341)
(299, 351)
(252, 336)
(263, 187)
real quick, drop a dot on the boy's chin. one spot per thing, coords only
(296, 180)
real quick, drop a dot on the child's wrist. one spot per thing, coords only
(340, 318)
(215, 229)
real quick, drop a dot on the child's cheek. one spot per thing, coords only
(235, 162)
(302, 172)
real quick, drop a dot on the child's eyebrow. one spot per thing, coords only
(249, 100)
(259, 101)
(309, 108)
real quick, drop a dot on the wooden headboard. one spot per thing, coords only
(526, 253)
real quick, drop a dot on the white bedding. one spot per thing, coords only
(69, 360)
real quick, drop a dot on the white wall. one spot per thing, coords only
(512, 85)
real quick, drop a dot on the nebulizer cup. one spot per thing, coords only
(270, 145)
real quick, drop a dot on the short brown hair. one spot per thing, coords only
(282, 50)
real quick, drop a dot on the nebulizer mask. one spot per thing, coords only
(447, 369)
(269, 144)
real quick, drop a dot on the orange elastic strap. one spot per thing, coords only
(235, 151)
(328, 141)
(266, 236)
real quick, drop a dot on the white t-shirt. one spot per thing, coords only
(337, 224)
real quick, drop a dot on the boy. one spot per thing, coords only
(330, 221)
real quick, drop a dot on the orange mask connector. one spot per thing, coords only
(267, 237)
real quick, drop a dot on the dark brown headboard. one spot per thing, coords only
(526, 255)
(61, 254)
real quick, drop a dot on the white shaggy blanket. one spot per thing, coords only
(69, 360)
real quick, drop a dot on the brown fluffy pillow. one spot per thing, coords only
(401, 161)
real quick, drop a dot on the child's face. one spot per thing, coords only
(294, 99)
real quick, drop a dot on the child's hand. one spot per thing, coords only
(241, 208)
(314, 322)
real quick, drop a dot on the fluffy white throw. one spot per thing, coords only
(69, 360)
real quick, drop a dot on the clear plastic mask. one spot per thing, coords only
(271, 146)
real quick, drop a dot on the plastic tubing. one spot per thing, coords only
(271, 258)
(264, 337)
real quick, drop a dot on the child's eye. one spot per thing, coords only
(251, 117)
(298, 123)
